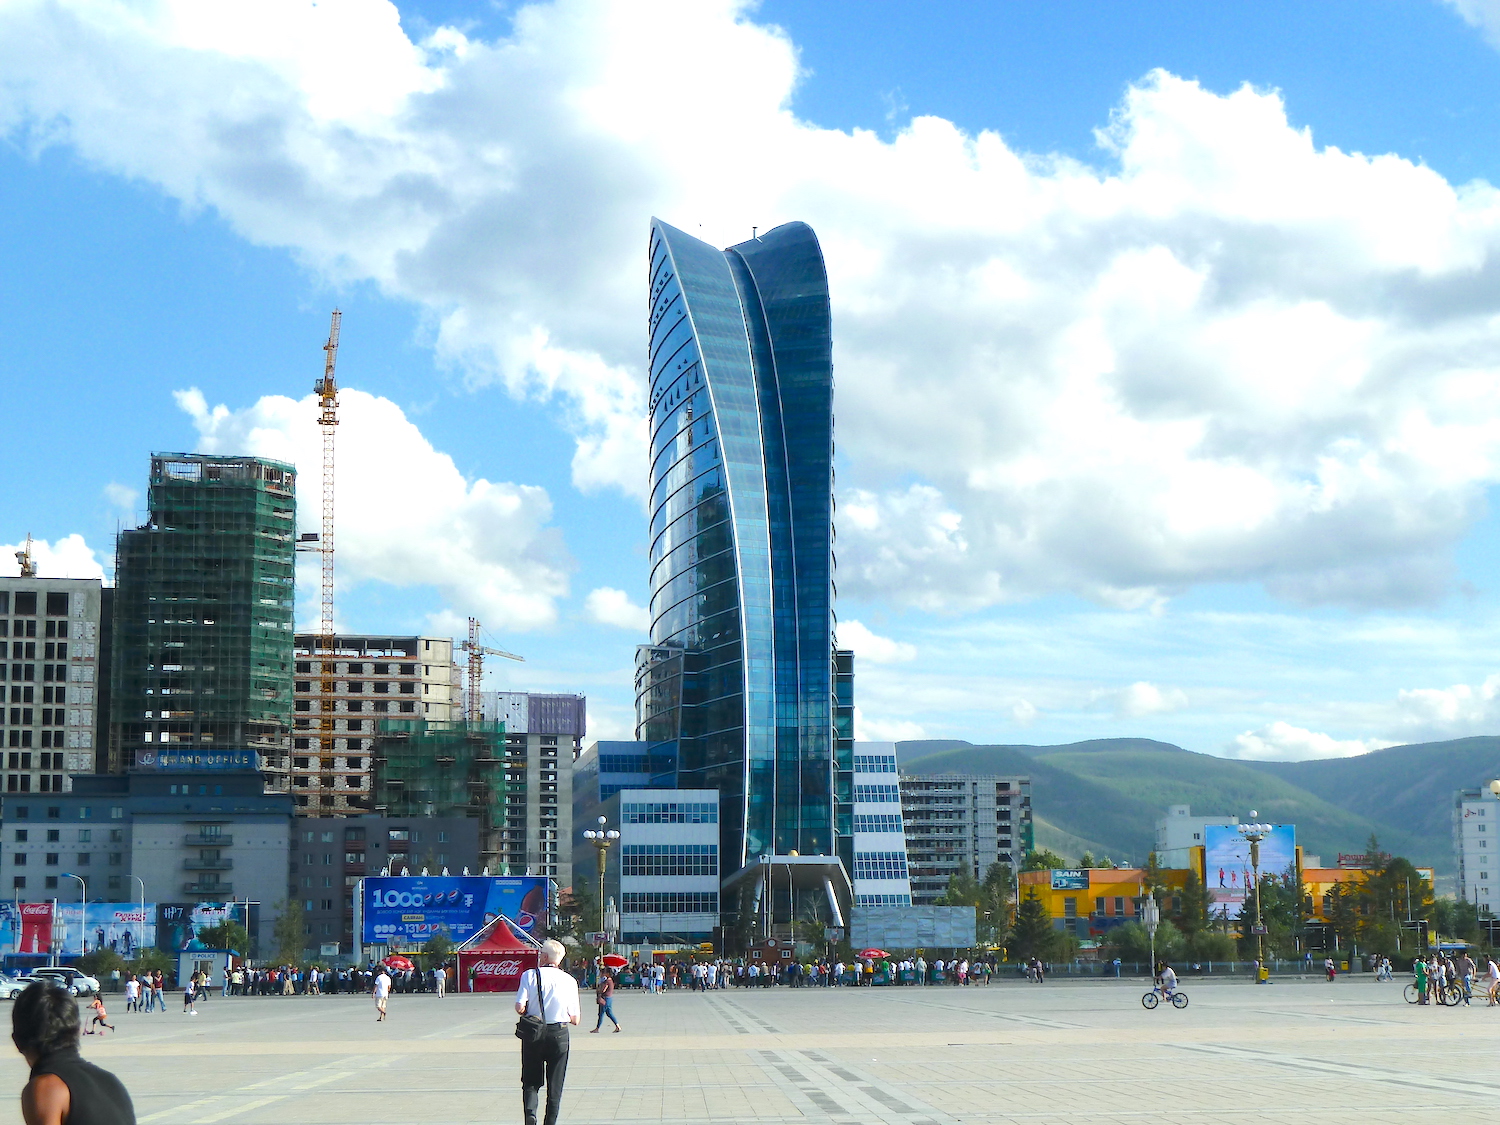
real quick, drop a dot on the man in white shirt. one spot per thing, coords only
(555, 1002)
(382, 990)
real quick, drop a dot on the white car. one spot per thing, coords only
(11, 987)
(76, 981)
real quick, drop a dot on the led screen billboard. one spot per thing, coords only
(406, 910)
(1226, 865)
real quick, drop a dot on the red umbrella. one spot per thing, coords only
(613, 961)
(396, 961)
(873, 954)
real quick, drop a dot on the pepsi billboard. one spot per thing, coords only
(407, 910)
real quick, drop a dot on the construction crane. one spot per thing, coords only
(477, 652)
(28, 564)
(327, 390)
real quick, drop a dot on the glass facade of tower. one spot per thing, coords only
(740, 676)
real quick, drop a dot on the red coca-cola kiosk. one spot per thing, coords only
(494, 959)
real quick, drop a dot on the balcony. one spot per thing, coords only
(208, 865)
(222, 890)
(197, 841)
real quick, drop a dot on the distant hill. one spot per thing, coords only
(1105, 795)
(1407, 785)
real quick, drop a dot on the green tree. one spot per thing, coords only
(1210, 946)
(1043, 860)
(1132, 942)
(1087, 860)
(1155, 877)
(101, 962)
(990, 900)
(1195, 901)
(1032, 935)
(228, 935)
(148, 961)
(437, 948)
(289, 932)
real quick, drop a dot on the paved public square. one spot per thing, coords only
(1351, 1052)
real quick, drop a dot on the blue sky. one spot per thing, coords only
(1279, 554)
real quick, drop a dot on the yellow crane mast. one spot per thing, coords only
(477, 653)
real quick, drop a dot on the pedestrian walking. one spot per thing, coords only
(132, 994)
(158, 991)
(62, 1087)
(550, 995)
(604, 997)
(189, 996)
(382, 993)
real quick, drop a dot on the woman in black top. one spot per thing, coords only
(64, 1090)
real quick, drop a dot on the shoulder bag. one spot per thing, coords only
(529, 1027)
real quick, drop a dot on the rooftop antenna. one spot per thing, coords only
(752, 232)
(23, 556)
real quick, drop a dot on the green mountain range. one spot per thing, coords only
(1105, 795)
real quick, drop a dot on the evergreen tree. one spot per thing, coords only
(1087, 860)
(1043, 860)
(1192, 916)
(289, 932)
(1032, 935)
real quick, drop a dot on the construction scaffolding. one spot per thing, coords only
(437, 769)
(203, 615)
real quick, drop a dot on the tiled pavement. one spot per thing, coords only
(1350, 1053)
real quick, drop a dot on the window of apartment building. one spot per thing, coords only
(19, 859)
(54, 835)
(51, 859)
(19, 882)
(20, 835)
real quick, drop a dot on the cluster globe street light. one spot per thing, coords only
(602, 839)
(1255, 832)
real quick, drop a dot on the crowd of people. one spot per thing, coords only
(702, 976)
(1440, 973)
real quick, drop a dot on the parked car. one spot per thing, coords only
(12, 986)
(75, 981)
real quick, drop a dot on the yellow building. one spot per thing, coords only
(1091, 901)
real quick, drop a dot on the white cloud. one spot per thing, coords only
(1224, 354)
(1460, 709)
(609, 606)
(1282, 742)
(885, 730)
(405, 515)
(1023, 712)
(68, 557)
(122, 497)
(1142, 698)
(872, 647)
(1483, 14)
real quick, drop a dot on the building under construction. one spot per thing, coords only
(436, 769)
(342, 694)
(202, 667)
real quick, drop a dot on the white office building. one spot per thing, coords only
(1475, 812)
(881, 877)
(667, 873)
(1179, 832)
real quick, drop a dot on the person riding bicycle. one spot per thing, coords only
(1166, 979)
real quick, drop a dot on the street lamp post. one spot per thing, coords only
(1255, 833)
(83, 911)
(1151, 915)
(140, 939)
(602, 839)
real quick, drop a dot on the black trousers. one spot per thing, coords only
(545, 1061)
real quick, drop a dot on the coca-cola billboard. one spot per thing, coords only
(496, 972)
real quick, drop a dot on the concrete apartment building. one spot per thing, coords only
(543, 736)
(962, 823)
(329, 857)
(54, 680)
(340, 698)
(1475, 812)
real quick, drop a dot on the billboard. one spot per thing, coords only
(913, 927)
(1226, 862)
(178, 923)
(406, 910)
(1070, 880)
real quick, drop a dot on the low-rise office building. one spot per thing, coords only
(1475, 812)
(880, 860)
(210, 836)
(1179, 832)
(328, 858)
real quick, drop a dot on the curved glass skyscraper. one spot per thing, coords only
(741, 677)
